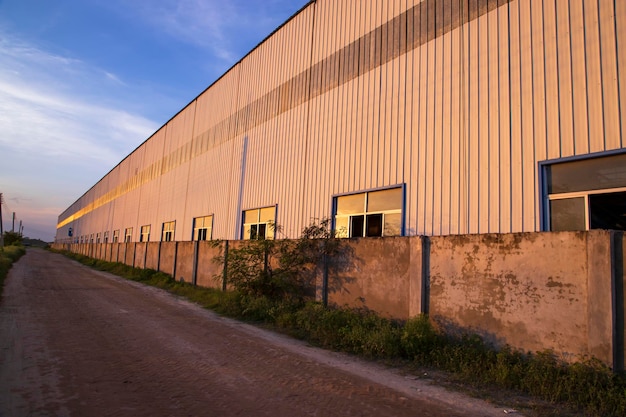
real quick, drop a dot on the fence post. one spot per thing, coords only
(325, 278)
(175, 260)
(194, 270)
(225, 269)
(619, 350)
(159, 257)
(425, 275)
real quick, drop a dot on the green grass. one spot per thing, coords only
(8, 255)
(587, 386)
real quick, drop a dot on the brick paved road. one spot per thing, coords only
(76, 342)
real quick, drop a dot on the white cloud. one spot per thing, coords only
(114, 78)
(226, 29)
(59, 129)
(43, 110)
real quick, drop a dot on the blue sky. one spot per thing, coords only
(84, 82)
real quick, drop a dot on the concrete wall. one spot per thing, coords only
(381, 274)
(185, 259)
(141, 250)
(122, 252)
(562, 291)
(152, 257)
(167, 258)
(208, 271)
(527, 290)
(129, 254)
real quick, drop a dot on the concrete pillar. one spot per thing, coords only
(600, 295)
(194, 273)
(619, 294)
(418, 271)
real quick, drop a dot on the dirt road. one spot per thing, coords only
(77, 342)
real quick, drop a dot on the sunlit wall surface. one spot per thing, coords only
(462, 105)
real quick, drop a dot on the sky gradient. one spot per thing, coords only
(84, 82)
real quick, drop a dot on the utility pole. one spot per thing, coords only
(1, 231)
(20, 230)
(13, 224)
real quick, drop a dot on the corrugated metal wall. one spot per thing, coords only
(458, 100)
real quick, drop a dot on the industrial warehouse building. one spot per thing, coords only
(390, 117)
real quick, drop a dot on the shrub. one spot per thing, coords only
(12, 239)
(13, 252)
(419, 338)
(8, 255)
(279, 269)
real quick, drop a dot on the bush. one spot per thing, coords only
(12, 239)
(419, 338)
(13, 252)
(8, 255)
(280, 269)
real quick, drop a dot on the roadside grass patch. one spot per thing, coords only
(587, 386)
(8, 255)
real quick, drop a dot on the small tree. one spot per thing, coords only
(280, 269)
(12, 239)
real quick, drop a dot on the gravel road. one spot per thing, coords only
(78, 342)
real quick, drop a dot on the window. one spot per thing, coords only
(128, 234)
(586, 194)
(168, 231)
(116, 236)
(106, 237)
(91, 238)
(202, 228)
(374, 213)
(98, 238)
(259, 223)
(145, 234)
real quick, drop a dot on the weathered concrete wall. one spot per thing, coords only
(112, 252)
(129, 255)
(152, 257)
(115, 252)
(600, 305)
(208, 269)
(234, 244)
(184, 261)
(141, 249)
(105, 252)
(379, 274)
(122, 251)
(91, 250)
(98, 251)
(167, 258)
(534, 291)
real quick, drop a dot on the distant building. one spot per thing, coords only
(391, 118)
